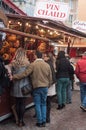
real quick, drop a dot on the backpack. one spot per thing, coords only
(4, 78)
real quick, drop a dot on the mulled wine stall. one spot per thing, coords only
(33, 34)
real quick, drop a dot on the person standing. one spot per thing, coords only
(51, 90)
(62, 77)
(69, 87)
(80, 72)
(17, 66)
(2, 67)
(41, 79)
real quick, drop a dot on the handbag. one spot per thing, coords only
(26, 86)
(26, 90)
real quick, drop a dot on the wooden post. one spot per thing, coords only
(68, 48)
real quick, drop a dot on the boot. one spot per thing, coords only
(21, 123)
(48, 120)
(59, 107)
(63, 105)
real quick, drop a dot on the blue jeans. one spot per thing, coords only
(69, 92)
(83, 94)
(61, 87)
(40, 96)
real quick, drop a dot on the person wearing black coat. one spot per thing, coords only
(4, 78)
(1, 79)
(62, 77)
(51, 89)
(69, 87)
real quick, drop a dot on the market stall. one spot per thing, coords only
(58, 34)
(9, 46)
(32, 34)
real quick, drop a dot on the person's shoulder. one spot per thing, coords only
(79, 61)
(32, 64)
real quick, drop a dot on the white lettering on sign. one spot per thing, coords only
(52, 10)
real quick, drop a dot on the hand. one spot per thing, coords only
(10, 76)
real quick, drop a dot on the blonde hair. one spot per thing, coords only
(20, 58)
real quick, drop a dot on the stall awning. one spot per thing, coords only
(47, 23)
(44, 29)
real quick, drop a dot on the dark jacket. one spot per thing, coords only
(71, 72)
(3, 77)
(52, 70)
(62, 68)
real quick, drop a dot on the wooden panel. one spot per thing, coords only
(6, 102)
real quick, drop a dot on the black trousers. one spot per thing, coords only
(48, 107)
(20, 107)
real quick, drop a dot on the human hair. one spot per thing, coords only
(20, 58)
(61, 54)
(84, 54)
(50, 55)
(38, 54)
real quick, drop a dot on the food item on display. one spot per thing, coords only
(12, 50)
(16, 44)
(11, 38)
(2, 51)
(42, 47)
(9, 46)
(6, 44)
(6, 56)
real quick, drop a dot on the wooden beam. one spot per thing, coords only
(6, 30)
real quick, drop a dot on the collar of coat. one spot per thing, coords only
(39, 59)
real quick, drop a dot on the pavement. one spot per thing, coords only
(69, 118)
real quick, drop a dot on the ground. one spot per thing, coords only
(69, 118)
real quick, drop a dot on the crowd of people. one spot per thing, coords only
(47, 76)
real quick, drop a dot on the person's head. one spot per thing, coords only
(45, 57)
(38, 54)
(84, 54)
(20, 56)
(61, 54)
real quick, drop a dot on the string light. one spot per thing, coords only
(37, 27)
(10, 22)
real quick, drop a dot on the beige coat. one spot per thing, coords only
(40, 72)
